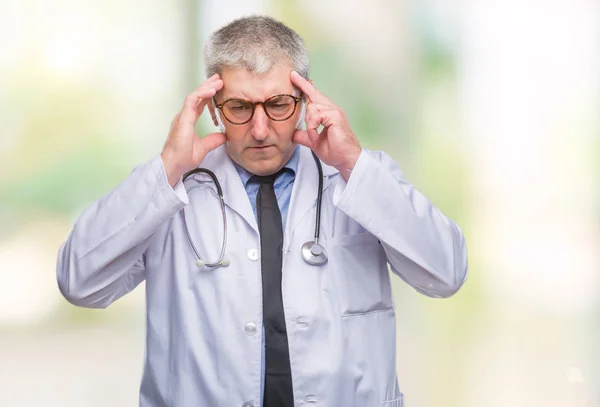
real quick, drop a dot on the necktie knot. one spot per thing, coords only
(266, 179)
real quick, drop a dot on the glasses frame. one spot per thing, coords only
(296, 100)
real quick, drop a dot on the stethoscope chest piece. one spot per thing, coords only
(314, 253)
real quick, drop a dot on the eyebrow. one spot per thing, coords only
(296, 92)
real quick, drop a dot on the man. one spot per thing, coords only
(266, 328)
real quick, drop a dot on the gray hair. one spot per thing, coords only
(256, 43)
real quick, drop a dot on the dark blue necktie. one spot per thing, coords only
(278, 390)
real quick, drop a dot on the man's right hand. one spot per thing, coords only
(184, 150)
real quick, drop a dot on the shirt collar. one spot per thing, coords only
(292, 165)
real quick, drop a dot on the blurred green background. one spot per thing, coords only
(491, 109)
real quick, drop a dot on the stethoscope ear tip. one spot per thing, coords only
(226, 261)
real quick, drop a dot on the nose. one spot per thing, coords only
(260, 124)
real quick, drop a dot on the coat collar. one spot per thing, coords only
(304, 193)
(234, 193)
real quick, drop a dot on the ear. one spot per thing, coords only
(301, 116)
(211, 109)
(217, 118)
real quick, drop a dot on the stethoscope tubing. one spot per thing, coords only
(222, 202)
(220, 261)
(319, 198)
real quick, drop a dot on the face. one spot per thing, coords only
(262, 146)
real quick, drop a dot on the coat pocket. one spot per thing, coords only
(360, 266)
(399, 402)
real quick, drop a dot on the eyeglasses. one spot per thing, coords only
(277, 108)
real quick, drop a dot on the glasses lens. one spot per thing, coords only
(237, 111)
(280, 107)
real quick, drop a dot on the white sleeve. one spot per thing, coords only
(103, 257)
(424, 247)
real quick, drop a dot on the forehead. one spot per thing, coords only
(241, 83)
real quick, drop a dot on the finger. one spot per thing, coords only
(308, 89)
(317, 110)
(195, 102)
(214, 82)
(302, 137)
(317, 107)
(312, 133)
(313, 121)
(326, 115)
(207, 144)
(202, 98)
(209, 81)
(205, 91)
(213, 140)
(190, 113)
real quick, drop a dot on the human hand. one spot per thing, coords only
(183, 149)
(336, 145)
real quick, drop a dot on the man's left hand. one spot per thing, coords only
(336, 145)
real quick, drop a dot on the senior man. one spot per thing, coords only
(279, 319)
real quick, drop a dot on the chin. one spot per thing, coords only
(265, 166)
(262, 163)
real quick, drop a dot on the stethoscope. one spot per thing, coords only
(312, 251)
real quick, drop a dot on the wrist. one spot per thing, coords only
(173, 171)
(347, 166)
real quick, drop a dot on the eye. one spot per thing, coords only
(280, 103)
(238, 106)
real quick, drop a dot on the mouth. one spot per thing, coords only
(258, 148)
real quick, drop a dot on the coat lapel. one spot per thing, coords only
(234, 193)
(304, 193)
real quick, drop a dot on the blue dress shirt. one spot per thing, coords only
(283, 192)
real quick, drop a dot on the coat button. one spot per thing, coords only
(302, 323)
(250, 329)
(253, 254)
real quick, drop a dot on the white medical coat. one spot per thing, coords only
(203, 328)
